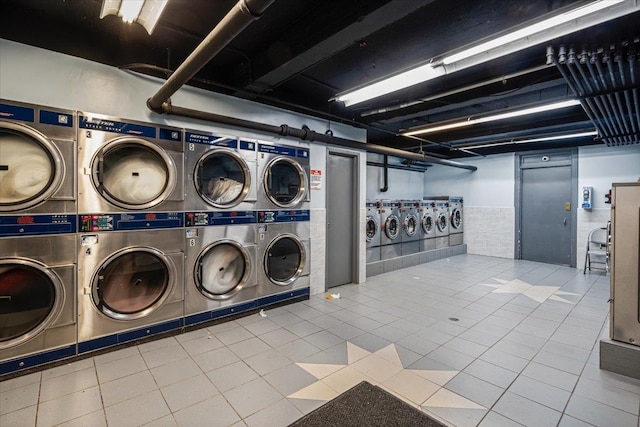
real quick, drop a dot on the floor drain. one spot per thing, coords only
(453, 319)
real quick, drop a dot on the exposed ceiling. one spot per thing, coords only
(301, 53)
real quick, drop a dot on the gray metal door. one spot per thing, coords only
(546, 214)
(341, 218)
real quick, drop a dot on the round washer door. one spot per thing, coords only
(456, 218)
(222, 269)
(132, 283)
(427, 223)
(285, 182)
(133, 173)
(392, 227)
(31, 297)
(31, 167)
(442, 222)
(222, 178)
(411, 225)
(372, 228)
(284, 260)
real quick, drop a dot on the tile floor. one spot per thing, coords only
(472, 340)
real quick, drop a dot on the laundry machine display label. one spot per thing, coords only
(115, 126)
(284, 216)
(56, 119)
(170, 134)
(15, 112)
(220, 218)
(130, 221)
(280, 150)
(203, 138)
(30, 225)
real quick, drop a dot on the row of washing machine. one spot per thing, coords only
(403, 227)
(113, 230)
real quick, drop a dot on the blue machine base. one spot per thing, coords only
(20, 363)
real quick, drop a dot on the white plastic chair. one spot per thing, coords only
(597, 247)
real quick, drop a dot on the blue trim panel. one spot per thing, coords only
(115, 126)
(208, 139)
(194, 219)
(30, 361)
(169, 134)
(455, 199)
(247, 145)
(31, 225)
(284, 216)
(56, 119)
(129, 221)
(111, 340)
(14, 112)
(284, 151)
(271, 299)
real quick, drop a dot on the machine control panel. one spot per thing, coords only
(265, 217)
(30, 225)
(195, 219)
(130, 221)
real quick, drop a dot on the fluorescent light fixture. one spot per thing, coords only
(145, 12)
(528, 141)
(531, 30)
(391, 84)
(493, 118)
(514, 41)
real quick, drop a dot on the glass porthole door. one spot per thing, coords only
(371, 228)
(222, 270)
(392, 227)
(222, 178)
(284, 259)
(285, 182)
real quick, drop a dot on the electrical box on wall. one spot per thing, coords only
(586, 197)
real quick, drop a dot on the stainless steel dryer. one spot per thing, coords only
(128, 166)
(221, 262)
(130, 285)
(220, 172)
(37, 169)
(441, 212)
(372, 232)
(427, 225)
(410, 235)
(456, 230)
(283, 251)
(390, 244)
(284, 177)
(37, 300)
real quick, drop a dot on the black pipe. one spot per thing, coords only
(608, 118)
(627, 97)
(239, 17)
(632, 71)
(399, 167)
(306, 134)
(609, 61)
(386, 175)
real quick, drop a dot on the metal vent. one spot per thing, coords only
(606, 81)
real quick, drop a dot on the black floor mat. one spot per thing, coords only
(366, 405)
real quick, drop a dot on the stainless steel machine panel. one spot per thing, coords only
(625, 263)
(221, 267)
(410, 234)
(283, 251)
(455, 221)
(441, 212)
(391, 226)
(37, 159)
(128, 280)
(373, 230)
(128, 166)
(220, 172)
(38, 286)
(427, 225)
(283, 172)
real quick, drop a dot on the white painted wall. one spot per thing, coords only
(33, 75)
(402, 184)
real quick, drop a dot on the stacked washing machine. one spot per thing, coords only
(283, 218)
(427, 225)
(456, 230)
(221, 263)
(37, 245)
(372, 231)
(410, 235)
(391, 225)
(131, 230)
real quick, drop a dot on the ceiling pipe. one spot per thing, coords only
(306, 134)
(239, 17)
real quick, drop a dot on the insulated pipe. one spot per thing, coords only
(386, 174)
(606, 101)
(601, 75)
(307, 134)
(239, 17)
(627, 97)
(636, 103)
(608, 60)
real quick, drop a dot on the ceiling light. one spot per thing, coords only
(493, 118)
(391, 84)
(145, 12)
(548, 29)
(528, 141)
